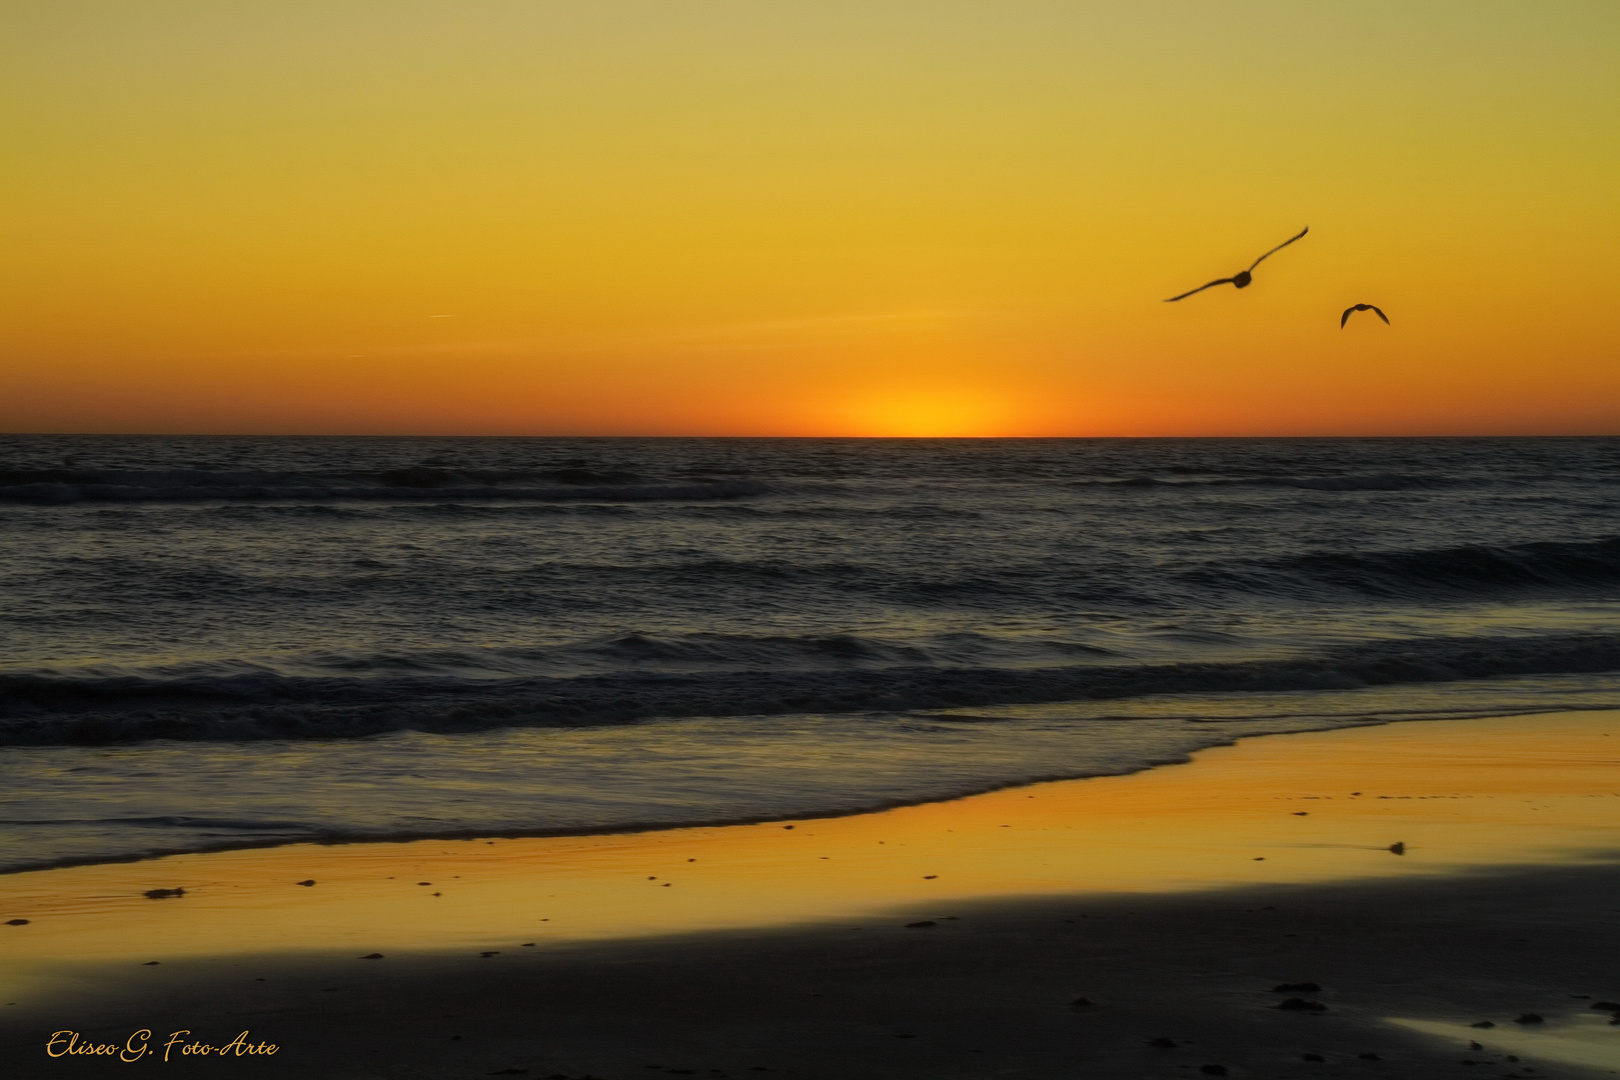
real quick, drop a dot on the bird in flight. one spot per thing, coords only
(1349, 311)
(1242, 278)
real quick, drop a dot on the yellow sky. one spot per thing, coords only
(910, 217)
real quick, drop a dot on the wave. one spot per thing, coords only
(161, 821)
(40, 709)
(1380, 482)
(708, 652)
(67, 486)
(1465, 571)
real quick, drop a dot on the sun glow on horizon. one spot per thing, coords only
(930, 413)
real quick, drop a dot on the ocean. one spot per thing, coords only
(218, 642)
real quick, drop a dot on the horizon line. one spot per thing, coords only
(851, 438)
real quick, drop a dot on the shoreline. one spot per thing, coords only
(1454, 779)
(1172, 898)
(812, 814)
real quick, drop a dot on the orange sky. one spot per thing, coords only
(929, 217)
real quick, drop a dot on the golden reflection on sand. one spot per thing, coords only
(1458, 794)
(1588, 1041)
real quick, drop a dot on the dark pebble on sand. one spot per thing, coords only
(1296, 988)
(486, 955)
(920, 925)
(16, 922)
(1483, 1024)
(1302, 813)
(930, 877)
(1528, 1018)
(1302, 1005)
(1397, 848)
(306, 884)
(527, 945)
(150, 963)
(372, 956)
(159, 894)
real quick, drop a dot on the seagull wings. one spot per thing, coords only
(1352, 309)
(1245, 274)
(1201, 288)
(1279, 247)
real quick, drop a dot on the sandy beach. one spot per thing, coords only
(1425, 877)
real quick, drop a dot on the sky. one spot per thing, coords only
(845, 217)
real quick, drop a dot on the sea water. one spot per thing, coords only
(214, 642)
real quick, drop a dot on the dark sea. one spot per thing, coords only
(224, 642)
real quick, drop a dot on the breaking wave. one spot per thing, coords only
(43, 710)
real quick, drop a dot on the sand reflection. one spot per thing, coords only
(1297, 809)
(1591, 1042)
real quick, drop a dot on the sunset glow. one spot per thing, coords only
(908, 413)
(891, 217)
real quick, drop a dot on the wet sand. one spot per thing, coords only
(1172, 901)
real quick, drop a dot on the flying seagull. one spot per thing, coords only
(1349, 311)
(1242, 278)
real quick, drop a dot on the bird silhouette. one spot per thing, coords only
(1242, 278)
(1349, 311)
